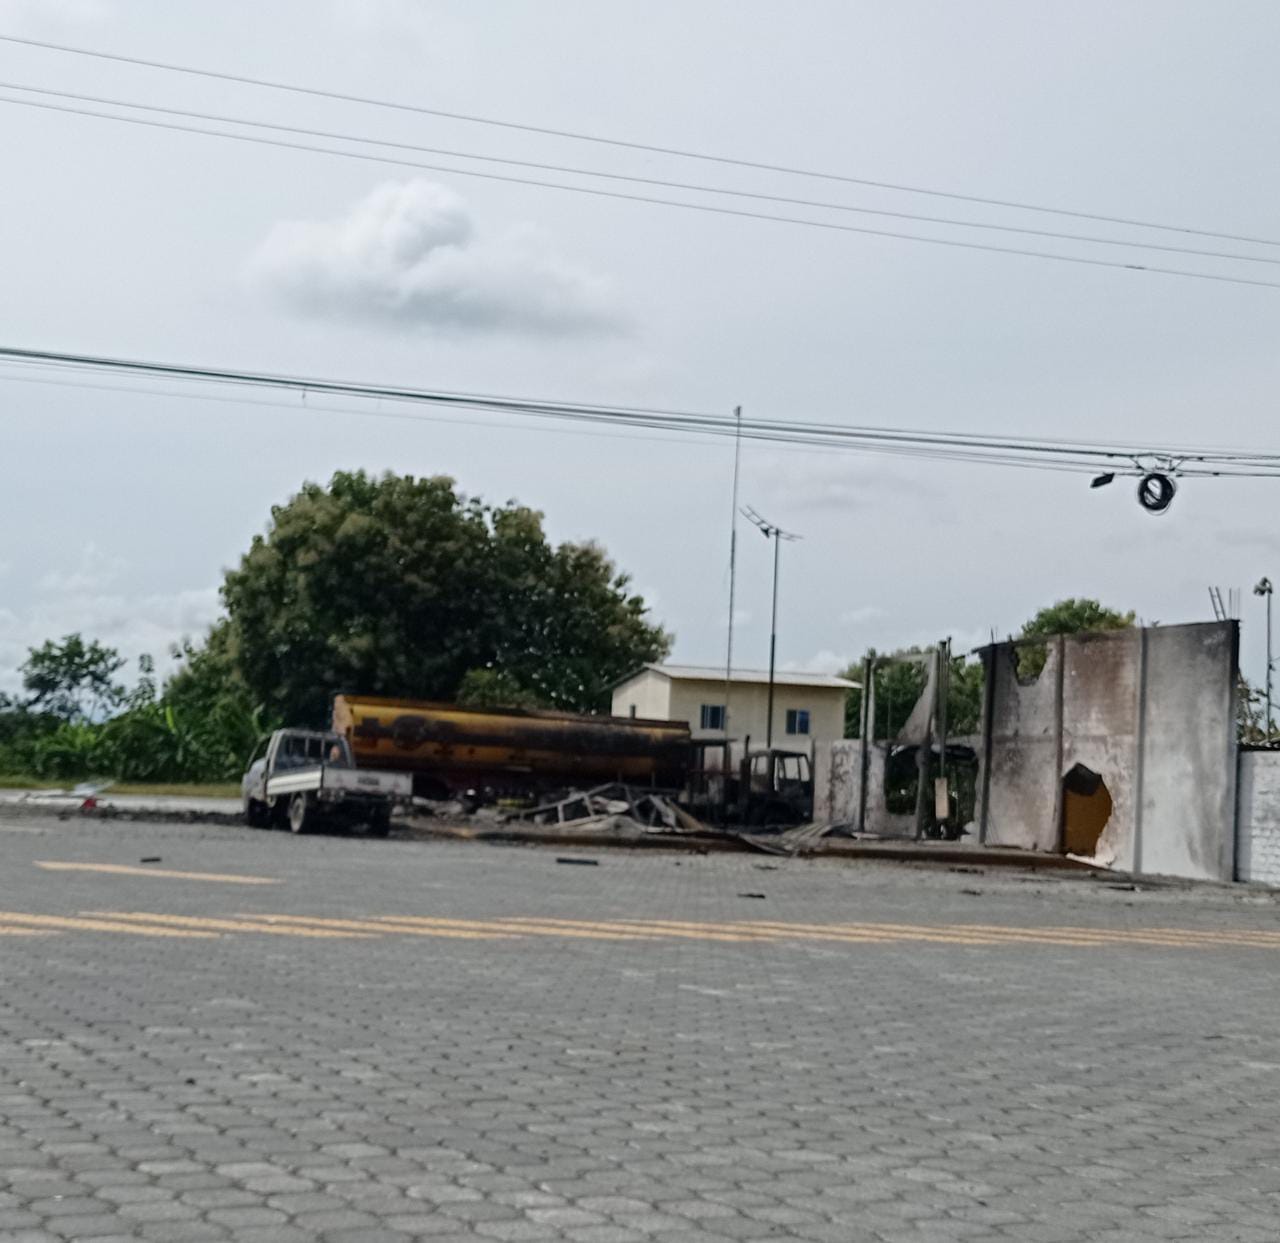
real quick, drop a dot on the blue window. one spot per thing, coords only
(712, 716)
(797, 720)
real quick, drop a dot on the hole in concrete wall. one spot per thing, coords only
(1029, 660)
(1086, 808)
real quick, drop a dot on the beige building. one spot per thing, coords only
(807, 707)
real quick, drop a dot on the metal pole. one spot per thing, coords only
(777, 534)
(1264, 589)
(733, 567)
(773, 640)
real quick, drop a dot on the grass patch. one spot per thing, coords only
(187, 789)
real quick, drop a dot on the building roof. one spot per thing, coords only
(755, 677)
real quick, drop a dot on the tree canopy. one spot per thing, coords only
(404, 586)
(72, 679)
(1076, 616)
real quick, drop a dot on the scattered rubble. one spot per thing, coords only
(611, 807)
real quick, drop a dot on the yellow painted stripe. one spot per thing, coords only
(27, 932)
(850, 932)
(82, 924)
(376, 925)
(620, 929)
(136, 919)
(513, 928)
(988, 934)
(977, 934)
(121, 869)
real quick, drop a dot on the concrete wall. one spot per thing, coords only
(1152, 712)
(837, 782)
(1019, 792)
(648, 693)
(1258, 822)
(1187, 823)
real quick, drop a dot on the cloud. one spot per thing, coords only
(408, 255)
(96, 571)
(837, 482)
(825, 661)
(131, 624)
(24, 14)
(864, 613)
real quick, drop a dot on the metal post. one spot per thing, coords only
(777, 534)
(773, 644)
(1264, 589)
(733, 573)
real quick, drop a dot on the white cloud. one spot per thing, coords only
(864, 613)
(408, 255)
(825, 661)
(24, 14)
(96, 571)
(132, 624)
(839, 482)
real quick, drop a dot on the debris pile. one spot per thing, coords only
(615, 807)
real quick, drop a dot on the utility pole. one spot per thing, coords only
(733, 571)
(1264, 589)
(771, 531)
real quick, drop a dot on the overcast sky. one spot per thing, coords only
(121, 510)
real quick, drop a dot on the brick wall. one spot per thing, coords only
(1258, 819)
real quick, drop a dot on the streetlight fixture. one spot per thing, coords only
(774, 532)
(1264, 589)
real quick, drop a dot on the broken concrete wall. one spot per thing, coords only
(1258, 818)
(879, 818)
(837, 782)
(1100, 713)
(1142, 718)
(1018, 787)
(1187, 821)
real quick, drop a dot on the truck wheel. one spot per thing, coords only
(256, 815)
(300, 816)
(380, 822)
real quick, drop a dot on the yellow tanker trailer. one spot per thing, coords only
(487, 753)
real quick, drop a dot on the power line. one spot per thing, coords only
(969, 447)
(695, 187)
(777, 443)
(651, 200)
(577, 136)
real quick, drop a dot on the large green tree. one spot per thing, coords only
(73, 679)
(1071, 616)
(1076, 616)
(404, 586)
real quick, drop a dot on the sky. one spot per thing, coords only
(122, 509)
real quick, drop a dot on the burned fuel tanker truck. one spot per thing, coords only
(483, 755)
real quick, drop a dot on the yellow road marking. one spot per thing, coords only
(376, 925)
(141, 923)
(764, 930)
(81, 924)
(976, 934)
(513, 928)
(137, 919)
(121, 869)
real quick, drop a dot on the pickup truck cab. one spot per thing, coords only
(302, 778)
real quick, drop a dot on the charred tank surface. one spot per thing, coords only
(452, 750)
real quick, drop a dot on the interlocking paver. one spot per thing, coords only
(263, 1089)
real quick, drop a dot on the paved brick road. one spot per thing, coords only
(266, 1038)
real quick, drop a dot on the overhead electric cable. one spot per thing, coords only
(595, 191)
(972, 447)
(654, 149)
(695, 187)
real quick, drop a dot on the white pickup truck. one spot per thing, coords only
(302, 778)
